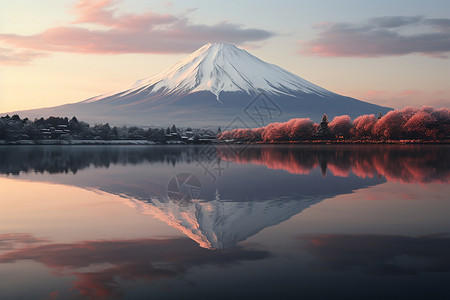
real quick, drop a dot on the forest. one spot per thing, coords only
(58, 128)
(420, 124)
(426, 124)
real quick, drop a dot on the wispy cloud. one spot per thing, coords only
(402, 98)
(10, 56)
(99, 28)
(9, 241)
(383, 36)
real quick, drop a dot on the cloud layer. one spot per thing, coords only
(383, 36)
(402, 98)
(139, 259)
(18, 57)
(98, 28)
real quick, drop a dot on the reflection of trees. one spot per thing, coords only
(405, 163)
(100, 266)
(67, 159)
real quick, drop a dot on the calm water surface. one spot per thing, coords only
(197, 222)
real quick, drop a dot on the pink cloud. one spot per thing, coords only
(374, 93)
(93, 11)
(9, 56)
(146, 32)
(383, 36)
(411, 92)
(401, 98)
(103, 12)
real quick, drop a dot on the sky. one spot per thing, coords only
(391, 53)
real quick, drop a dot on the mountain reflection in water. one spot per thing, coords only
(279, 222)
(247, 198)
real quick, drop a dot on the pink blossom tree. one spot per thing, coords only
(362, 127)
(341, 126)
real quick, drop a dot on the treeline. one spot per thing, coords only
(14, 128)
(426, 123)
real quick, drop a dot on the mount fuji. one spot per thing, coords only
(213, 86)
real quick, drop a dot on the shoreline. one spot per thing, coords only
(76, 142)
(146, 142)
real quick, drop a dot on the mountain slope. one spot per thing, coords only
(222, 68)
(213, 86)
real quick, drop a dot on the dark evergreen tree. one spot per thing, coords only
(31, 130)
(39, 122)
(324, 132)
(136, 133)
(173, 129)
(156, 135)
(3, 129)
(115, 132)
(74, 120)
(104, 131)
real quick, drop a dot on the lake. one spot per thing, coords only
(225, 222)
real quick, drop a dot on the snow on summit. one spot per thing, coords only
(211, 87)
(218, 67)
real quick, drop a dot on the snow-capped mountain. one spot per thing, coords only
(213, 86)
(222, 68)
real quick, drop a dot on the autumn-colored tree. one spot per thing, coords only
(300, 129)
(341, 126)
(275, 132)
(391, 125)
(362, 127)
(408, 123)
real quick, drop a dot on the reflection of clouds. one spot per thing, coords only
(379, 254)
(405, 164)
(9, 241)
(98, 265)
